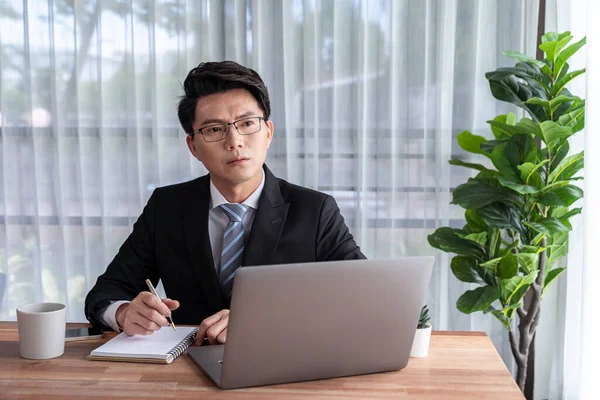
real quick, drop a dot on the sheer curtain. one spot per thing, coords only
(367, 98)
(571, 344)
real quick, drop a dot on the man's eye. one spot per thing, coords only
(248, 122)
(215, 129)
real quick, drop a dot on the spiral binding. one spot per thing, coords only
(183, 345)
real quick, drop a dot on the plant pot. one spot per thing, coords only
(420, 346)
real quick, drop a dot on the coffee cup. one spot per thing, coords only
(42, 330)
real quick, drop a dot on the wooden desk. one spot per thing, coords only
(460, 365)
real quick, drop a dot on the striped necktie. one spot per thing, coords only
(233, 245)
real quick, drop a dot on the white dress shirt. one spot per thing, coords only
(217, 223)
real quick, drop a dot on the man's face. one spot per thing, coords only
(237, 159)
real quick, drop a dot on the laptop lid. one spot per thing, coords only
(297, 322)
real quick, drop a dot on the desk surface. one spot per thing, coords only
(460, 365)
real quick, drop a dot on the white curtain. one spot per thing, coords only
(368, 97)
(570, 353)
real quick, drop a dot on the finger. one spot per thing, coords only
(200, 340)
(207, 323)
(151, 315)
(147, 324)
(154, 302)
(222, 338)
(172, 304)
(215, 330)
(136, 329)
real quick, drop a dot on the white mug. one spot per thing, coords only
(42, 330)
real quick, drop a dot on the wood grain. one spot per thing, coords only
(460, 365)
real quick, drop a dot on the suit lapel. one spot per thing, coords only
(197, 241)
(268, 223)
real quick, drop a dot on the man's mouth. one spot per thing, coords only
(238, 160)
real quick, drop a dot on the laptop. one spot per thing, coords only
(300, 322)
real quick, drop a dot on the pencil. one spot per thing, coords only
(153, 291)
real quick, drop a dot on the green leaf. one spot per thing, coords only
(478, 299)
(524, 58)
(517, 187)
(549, 226)
(499, 215)
(557, 101)
(480, 238)
(555, 184)
(561, 196)
(461, 163)
(474, 221)
(507, 267)
(489, 147)
(490, 178)
(564, 213)
(536, 79)
(554, 36)
(574, 119)
(527, 261)
(507, 84)
(502, 130)
(552, 133)
(526, 249)
(504, 160)
(471, 143)
(495, 241)
(447, 239)
(576, 104)
(557, 248)
(513, 289)
(529, 174)
(566, 54)
(562, 82)
(504, 119)
(550, 277)
(476, 194)
(528, 126)
(560, 154)
(538, 102)
(552, 48)
(463, 268)
(537, 239)
(491, 265)
(567, 168)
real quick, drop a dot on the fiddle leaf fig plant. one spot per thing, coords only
(519, 203)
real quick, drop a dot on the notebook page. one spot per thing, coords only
(158, 345)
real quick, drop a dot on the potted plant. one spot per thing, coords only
(420, 346)
(517, 206)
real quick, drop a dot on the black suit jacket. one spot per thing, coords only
(170, 241)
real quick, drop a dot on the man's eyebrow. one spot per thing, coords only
(222, 121)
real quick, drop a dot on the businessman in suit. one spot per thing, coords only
(194, 235)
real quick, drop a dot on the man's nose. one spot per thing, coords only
(233, 138)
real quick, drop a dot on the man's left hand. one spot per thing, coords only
(213, 330)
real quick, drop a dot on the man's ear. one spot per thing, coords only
(192, 146)
(270, 131)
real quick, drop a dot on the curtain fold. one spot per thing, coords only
(367, 99)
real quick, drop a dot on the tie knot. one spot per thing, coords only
(234, 211)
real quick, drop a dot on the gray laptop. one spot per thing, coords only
(299, 322)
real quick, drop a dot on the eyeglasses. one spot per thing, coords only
(244, 126)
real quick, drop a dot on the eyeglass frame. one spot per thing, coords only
(227, 125)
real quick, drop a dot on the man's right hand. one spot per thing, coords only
(145, 314)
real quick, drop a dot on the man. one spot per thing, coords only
(194, 235)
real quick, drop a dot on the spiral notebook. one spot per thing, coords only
(161, 347)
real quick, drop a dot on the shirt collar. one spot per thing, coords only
(216, 198)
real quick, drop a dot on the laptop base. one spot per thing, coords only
(209, 359)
